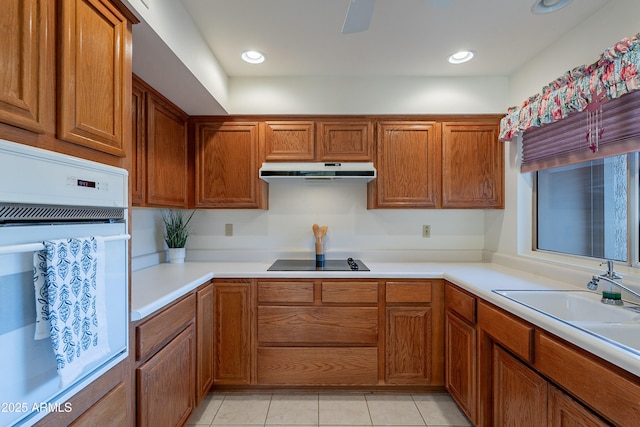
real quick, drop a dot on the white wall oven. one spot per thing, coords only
(47, 198)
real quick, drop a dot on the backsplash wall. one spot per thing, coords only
(285, 229)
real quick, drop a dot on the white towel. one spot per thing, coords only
(69, 279)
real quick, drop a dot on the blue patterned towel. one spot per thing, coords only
(69, 279)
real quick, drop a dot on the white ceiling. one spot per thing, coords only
(405, 38)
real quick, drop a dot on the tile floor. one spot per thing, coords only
(327, 409)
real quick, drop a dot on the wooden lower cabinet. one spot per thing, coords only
(414, 345)
(107, 401)
(111, 410)
(232, 332)
(521, 397)
(567, 412)
(503, 372)
(166, 364)
(166, 383)
(460, 362)
(317, 366)
(347, 333)
(204, 340)
(519, 394)
(317, 333)
(408, 346)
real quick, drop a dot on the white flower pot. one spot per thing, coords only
(176, 255)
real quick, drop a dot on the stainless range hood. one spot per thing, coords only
(318, 171)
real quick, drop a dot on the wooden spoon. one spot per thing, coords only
(323, 232)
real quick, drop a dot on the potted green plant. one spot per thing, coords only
(176, 233)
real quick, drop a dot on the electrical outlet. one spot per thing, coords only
(228, 229)
(426, 231)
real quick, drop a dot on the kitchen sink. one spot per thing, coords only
(626, 334)
(619, 325)
(572, 305)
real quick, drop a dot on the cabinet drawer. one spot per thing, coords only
(419, 291)
(461, 303)
(318, 325)
(350, 292)
(158, 330)
(509, 331)
(318, 366)
(109, 410)
(285, 292)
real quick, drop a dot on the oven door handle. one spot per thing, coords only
(33, 247)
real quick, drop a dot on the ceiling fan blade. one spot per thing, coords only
(358, 16)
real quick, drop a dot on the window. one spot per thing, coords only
(584, 209)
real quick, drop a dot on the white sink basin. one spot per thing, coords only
(572, 305)
(627, 334)
(619, 325)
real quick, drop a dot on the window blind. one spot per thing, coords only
(565, 142)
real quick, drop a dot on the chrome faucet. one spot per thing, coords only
(610, 296)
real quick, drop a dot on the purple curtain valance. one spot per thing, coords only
(613, 75)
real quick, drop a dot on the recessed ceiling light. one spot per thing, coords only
(461, 57)
(253, 56)
(548, 6)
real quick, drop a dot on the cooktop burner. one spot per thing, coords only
(348, 264)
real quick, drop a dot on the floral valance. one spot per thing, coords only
(613, 75)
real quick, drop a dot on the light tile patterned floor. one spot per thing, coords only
(327, 409)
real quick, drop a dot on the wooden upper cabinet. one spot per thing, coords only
(345, 141)
(166, 154)
(472, 165)
(23, 73)
(137, 171)
(94, 72)
(408, 163)
(335, 140)
(289, 140)
(226, 165)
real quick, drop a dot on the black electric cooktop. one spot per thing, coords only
(348, 264)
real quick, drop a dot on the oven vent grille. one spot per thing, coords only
(36, 213)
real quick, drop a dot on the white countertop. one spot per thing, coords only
(157, 286)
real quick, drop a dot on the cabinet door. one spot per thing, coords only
(166, 383)
(519, 394)
(137, 171)
(472, 166)
(408, 163)
(93, 74)
(460, 371)
(289, 141)
(227, 163)
(232, 333)
(166, 146)
(345, 141)
(204, 340)
(408, 345)
(567, 412)
(23, 53)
